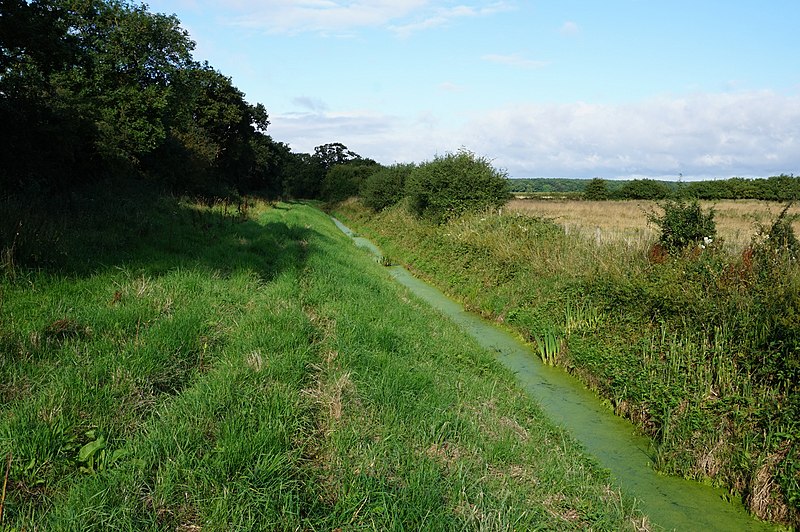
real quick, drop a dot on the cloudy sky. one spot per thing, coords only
(569, 88)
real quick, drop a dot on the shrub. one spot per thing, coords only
(344, 180)
(775, 248)
(646, 189)
(596, 189)
(456, 183)
(684, 224)
(385, 187)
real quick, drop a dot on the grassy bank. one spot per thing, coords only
(699, 351)
(174, 366)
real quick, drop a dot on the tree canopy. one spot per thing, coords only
(91, 88)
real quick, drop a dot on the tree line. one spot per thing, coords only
(92, 90)
(776, 188)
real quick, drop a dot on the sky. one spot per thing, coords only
(665, 89)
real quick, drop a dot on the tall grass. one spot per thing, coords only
(170, 365)
(699, 350)
(626, 221)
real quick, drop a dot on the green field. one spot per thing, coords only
(169, 365)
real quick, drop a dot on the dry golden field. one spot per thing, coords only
(608, 221)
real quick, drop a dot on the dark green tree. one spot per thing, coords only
(44, 139)
(334, 153)
(302, 176)
(266, 174)
(645, 189)
(34, 37)
(124, 82)
(104, 87)
(344, 180)
(596, 189)
(385, 187)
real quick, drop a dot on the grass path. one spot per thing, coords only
(189, 368)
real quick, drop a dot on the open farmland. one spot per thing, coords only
(626, 220)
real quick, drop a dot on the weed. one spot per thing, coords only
(777, 241)
(581, 317)
(94, 455)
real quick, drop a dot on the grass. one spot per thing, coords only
(170, 365)
(700, 350)
(626, 221)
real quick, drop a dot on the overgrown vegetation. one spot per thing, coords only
(172, 365)
(385, 187)
(778, 239)
(699, 349)
(453, 184)
(683, 225)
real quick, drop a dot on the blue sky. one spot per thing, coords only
(615, 89)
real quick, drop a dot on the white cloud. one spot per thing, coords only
(699, 136)
(514, 60)
(569, 29)
(403, 17)
(285, 16)
(703, 135)
(441, 16)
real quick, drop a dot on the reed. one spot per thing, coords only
(549, 346)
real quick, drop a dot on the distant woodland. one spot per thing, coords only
(776, 188)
